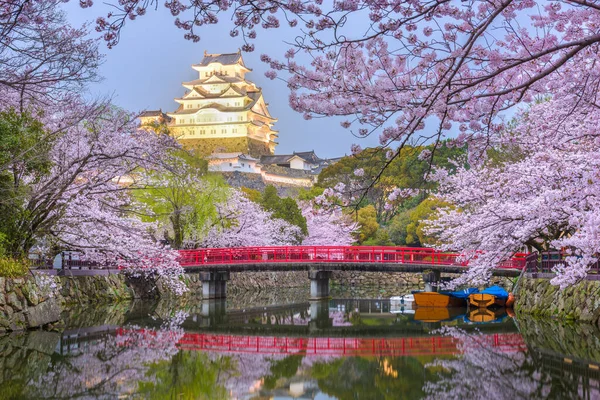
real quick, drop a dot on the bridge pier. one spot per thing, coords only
(214, 284)
(432, 279)
(319, 284)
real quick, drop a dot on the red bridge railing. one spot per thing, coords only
(333, 254)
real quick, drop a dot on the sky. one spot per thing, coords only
(146, 69)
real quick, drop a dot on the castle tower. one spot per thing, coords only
(222, 111)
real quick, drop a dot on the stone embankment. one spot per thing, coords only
(241, 282)
(36, 301)
(580, 302)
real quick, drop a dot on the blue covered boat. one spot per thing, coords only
(492, 296)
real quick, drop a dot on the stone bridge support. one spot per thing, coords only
(432, 280)
(319, 284)
(214, 284)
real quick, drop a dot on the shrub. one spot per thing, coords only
(13, 267)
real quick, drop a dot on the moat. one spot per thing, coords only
(283, 346)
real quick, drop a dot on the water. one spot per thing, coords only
(281, 346)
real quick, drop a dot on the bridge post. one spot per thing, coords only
(431, 279)
(214, 284)
(319, 284)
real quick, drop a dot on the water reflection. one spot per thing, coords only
(338, 349)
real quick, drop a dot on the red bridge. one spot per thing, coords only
(348, 256)
(215, 265)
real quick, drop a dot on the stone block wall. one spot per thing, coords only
(539, 297)
(244, 281)
(376, 279)
(26, 303)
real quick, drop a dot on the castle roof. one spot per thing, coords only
(223, 59)
(309, 156)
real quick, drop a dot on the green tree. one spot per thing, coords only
(367, 222)
(183, 200)
(405, 171)
(24, 158)
(427, 210)
(285, 208)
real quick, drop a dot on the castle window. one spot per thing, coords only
(234, 130)
(229, 118)
(213, 131)
(223, 130)
(243, 165)
(237, 103)
(241, 118)
(230, 164)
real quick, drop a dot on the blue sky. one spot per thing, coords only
(145, 71)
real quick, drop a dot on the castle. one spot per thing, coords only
(221, 111)
(224, 117)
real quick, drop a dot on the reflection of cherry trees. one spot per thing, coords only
(486, 371)
(111, 365)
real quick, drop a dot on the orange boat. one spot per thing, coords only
(492, 296)
(434, 299)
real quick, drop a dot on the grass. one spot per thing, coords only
(13, 267)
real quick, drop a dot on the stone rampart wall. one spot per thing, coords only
(539, 297)
(35, 301)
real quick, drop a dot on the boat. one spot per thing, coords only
(492, 296)
(443, 299)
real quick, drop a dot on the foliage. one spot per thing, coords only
(372, 186)
(19, 131)
(181, 198)
(309, 194)
(13, 267)
(367, 223)
(284, 208)
(427, 69)
(425, 212)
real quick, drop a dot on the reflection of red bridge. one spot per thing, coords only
(319, 346)
(344, 257)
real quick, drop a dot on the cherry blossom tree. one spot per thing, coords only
(41, 56)
(545, 195)
(244, 223)
(327, 226)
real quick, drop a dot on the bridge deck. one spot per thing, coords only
(340, 266)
